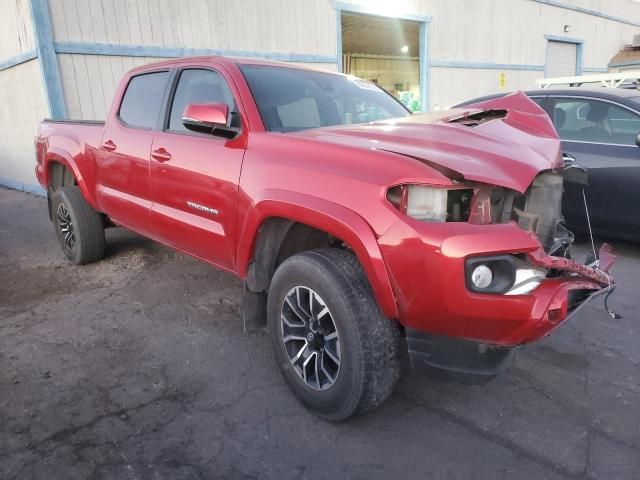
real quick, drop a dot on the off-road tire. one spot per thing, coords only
(370, 365)
(88, 228)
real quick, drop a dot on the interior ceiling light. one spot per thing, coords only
(404, 49)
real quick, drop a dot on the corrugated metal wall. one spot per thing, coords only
(303, 26)
(22, 96)
(471, 43)
(483, 32)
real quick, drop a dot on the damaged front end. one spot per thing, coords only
(538, 211)
(538, 208)
(520, 281)
(490, 265)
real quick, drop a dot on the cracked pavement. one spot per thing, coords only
(137, 367)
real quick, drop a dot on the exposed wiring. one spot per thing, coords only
(611, 313)
(596, 262)
(586, 209)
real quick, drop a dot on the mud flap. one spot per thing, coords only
(254, 310)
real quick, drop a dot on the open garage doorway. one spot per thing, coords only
(387, 51)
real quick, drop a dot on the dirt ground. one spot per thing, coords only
(137, 367)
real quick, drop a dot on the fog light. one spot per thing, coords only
(482, 276)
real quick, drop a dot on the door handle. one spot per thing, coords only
(161, 155)
(109, 146)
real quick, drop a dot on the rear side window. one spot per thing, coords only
(142, 100)
(586, 120)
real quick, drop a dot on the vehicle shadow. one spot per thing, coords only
(120, 240)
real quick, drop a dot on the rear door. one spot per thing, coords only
(601, 135)
(124, 185)
(195, 176)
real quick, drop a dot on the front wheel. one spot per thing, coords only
(335, 349)
(79, 227)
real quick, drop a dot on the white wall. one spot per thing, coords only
(453, 85)
(23, 106)
(255, 25)
(16, 31)
(21, 95)
(89, 81)
(479, 31)
(508, 32)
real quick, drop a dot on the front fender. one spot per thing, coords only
(327, 216)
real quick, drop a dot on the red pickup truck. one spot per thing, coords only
(362, 232)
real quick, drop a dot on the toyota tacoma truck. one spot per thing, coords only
(363, 233)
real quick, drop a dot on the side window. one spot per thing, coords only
(142, 99)
(595, 121)
(199, 86)
(625, 125)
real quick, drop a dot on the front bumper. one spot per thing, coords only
(426, 264)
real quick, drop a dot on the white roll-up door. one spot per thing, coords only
(562, 59)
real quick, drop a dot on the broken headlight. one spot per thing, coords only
(432, 204)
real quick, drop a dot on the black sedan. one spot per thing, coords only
(600, 128)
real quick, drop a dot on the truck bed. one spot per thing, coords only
(73, 143)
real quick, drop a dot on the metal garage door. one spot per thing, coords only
(562, 59)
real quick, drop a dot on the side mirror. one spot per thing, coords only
(638, 140)
(205, 117)
(572, 172)
(568, 159)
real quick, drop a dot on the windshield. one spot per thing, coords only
(291, 99)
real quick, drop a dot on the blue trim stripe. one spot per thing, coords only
(41, 19)
(425, 100)
(18, 59)
(588, 11)
(85, 48)
(339, 39)
(628, 63)
(485, 65)
(560, 38)
(579, 58)
(23, 187)
(595, 70)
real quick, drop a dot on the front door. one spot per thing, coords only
(195, 176)
(124, 191)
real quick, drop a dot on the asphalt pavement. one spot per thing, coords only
(137, 367)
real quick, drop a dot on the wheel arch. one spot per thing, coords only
(55, 157)
(273, 216)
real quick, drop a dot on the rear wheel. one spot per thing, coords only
(79, 227)
(335, 349)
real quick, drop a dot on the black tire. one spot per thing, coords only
(369, 342)
(87, 229)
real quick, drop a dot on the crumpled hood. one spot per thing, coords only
(513, 144)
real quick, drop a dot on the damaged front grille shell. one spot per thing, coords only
(538, 210)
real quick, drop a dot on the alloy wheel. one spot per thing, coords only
(310, 338)
(66, 227)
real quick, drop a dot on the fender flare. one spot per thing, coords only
(57, 155)
(327, 216)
